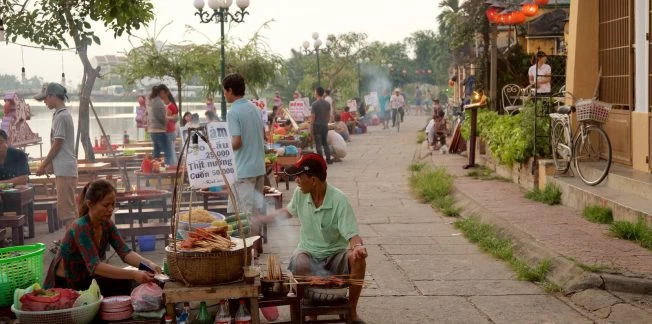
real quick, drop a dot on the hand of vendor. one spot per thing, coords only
(359, 252)
(142, 276)
(43, 170)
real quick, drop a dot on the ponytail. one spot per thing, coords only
(83, 206)
(93, 192)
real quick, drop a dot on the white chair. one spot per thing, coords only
(512, 96)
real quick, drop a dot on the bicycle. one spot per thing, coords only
(589, 149)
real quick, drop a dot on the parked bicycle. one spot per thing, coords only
(589, 149)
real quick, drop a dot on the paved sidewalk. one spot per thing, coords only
(422, 269)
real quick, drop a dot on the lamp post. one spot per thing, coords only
(360, 62)
(316, 49)
(221, 15)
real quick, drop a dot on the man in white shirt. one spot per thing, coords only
(396, 104)
(540, 74)
(337, 145)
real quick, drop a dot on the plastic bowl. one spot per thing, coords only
(184, 225)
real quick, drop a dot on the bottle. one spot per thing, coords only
(166, 269)
(222, 316)
(242, 316)
(168, 319)
(202, 317)
(184, 317)
(125, 138)
(97, 144)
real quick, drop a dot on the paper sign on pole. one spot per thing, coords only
(202, 166)
(262, 105)
(298, 110)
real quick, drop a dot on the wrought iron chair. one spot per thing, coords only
(512, 98)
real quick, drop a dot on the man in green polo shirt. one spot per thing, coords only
(329, 240)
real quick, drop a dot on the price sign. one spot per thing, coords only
(202, 165)
(298, 109)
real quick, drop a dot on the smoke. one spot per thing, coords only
(375, 78)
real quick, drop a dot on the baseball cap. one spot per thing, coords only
(52, 89)
(311, 163)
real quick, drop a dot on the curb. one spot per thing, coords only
(565, 273)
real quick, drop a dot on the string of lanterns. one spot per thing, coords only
(511, 14)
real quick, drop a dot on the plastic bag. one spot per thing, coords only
(147, 297)
(46, 300)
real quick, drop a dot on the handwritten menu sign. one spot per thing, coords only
(299, 110)
(352, 104)
(202, 166)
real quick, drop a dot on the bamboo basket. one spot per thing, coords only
(204, 268)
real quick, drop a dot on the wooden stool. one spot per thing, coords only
(293, 302)
(51, 208)
(16, 223)
(312, 308)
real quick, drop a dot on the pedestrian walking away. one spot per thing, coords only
(319, 118)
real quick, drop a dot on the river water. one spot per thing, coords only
(116, 117)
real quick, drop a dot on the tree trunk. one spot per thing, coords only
(179, 96)
(90, 75)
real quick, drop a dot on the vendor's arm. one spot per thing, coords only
(83, 238)
(280, 214)
(126, 254)
(54, 150)
(19, 180)
(348, 227)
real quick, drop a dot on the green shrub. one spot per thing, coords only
(416, 167)
(598, 214)
(436, 187)
(638, 232)
(484, 173)
(421, 137)
(489, 239)
(550, 195)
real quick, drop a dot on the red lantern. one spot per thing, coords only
(529, 9)
(541, 2)
(501, 19)
(492, 14)
(517, 17)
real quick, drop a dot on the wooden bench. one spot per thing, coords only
(3, 232)
(50, 207)
(131, 231)
(123, 216)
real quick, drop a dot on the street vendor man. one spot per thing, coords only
(13, 163)
(329, 240)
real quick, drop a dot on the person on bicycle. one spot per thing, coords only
(396, 104)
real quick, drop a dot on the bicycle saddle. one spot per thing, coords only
(565, 110)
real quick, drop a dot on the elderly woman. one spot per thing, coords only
(84, 246)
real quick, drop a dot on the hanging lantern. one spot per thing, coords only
(541, 2)
(22, 74)
(2, 31)
(529, 9)
(502, 19)
(492, 14)
(517, 17)
(63, 79)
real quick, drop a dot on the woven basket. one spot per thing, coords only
(205, 268)
(202, 269)
(592, 110)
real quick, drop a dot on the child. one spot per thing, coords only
(430, 132)
(440, 129)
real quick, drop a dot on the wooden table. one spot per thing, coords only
(3, 232)
(121, 150)
(134, 202)
(21, 202)
(155, 175)
(285, 161)
(176, 292)
(16, 224)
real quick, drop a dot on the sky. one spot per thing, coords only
(294, 23)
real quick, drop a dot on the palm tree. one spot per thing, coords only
(451, 10)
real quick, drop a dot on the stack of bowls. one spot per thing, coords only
(116, 308)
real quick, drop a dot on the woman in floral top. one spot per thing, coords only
(84, 247)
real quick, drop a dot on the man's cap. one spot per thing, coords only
(308, 163)
(51, 89)
(397, 90)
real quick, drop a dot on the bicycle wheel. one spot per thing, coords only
(592, 155)
(560, 146)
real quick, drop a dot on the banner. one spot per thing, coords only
(352, 104)
(202, 166)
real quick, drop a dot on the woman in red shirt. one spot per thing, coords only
(348, 119)
(172, 114)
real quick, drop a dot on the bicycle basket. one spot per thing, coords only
(591, 110)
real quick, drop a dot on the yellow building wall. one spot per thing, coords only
(582, 63)
(640, 140)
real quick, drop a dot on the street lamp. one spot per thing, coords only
(221, 15)
(360, 61)
(317, 49)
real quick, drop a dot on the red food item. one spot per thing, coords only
(146, 166)
(51, 299)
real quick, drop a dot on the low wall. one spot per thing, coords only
(522, 174)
